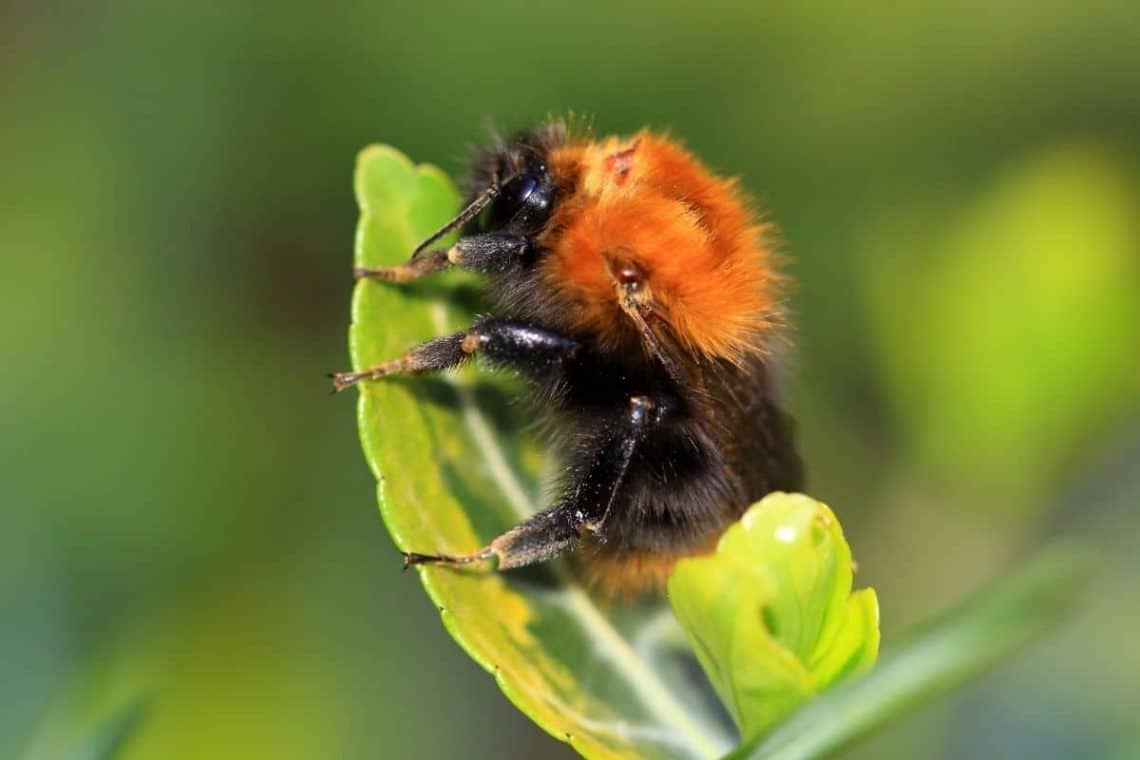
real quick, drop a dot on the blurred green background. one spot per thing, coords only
(187, 515)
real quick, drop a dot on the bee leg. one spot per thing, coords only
(485, 252)
(438, 354)
(414, 558)
(413, 269)
(590, 494)
(542, 537)
(531, 349)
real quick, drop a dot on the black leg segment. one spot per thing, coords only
(486, 252)
(489, 251)
(591, 492)
(532, 350)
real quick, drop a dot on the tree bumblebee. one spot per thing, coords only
(637, 293)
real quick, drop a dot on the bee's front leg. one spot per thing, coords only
(484, 252)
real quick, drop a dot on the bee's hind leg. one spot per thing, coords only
(542, 537)
(590, 493)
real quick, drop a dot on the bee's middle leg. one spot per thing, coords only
(535, 351)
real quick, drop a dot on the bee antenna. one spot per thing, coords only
(469, 212)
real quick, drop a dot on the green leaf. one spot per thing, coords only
(771, 614)
(934, 659)
(455, 468)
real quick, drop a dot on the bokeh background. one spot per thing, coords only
(187, 515)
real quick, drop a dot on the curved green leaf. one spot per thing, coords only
(771, 614)
(933, 659)
(455, 469)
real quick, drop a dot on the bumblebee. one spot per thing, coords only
(638, 294)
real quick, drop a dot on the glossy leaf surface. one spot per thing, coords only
(931, 660)
(771, 614)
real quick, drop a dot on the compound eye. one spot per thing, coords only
(525, 202)
(528, 185)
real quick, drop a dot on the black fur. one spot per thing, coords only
(491, 251)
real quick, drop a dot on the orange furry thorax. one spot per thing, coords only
(645, 202)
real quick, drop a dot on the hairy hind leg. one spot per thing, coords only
(590, 496)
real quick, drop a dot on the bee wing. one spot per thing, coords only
(761, 433)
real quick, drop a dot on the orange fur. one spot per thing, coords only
(647, 201)
(631, 575)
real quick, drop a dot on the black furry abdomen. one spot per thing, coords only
(721, 444)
